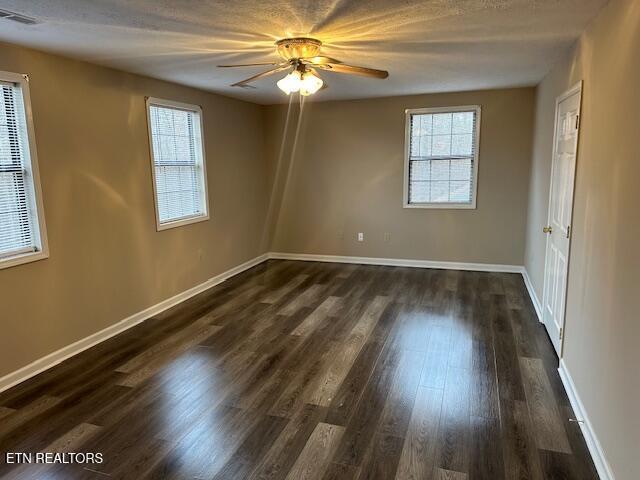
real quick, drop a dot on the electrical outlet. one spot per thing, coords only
(387, 237)
(360, 236)
(341, 235)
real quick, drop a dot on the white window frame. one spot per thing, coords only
(31, 165)
(205, 201)
(407, 150)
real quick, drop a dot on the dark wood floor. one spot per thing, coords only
(313, 371)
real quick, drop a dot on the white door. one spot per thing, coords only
(558, 228)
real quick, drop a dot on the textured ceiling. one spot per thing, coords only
(427, 45)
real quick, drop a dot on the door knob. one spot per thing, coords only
(547, 229)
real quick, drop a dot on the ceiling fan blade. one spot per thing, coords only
(249, 65)
(320, 60)
(243, 83)
(352, 69)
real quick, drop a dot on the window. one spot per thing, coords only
(441, 159)
(178, 166)
(22, 231)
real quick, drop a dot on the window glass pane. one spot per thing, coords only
(440, 169)
(461, 169)
(425, 146)
(462, 144)
(441, 145)
(460, 191)
(5, 145)
(415, 126)
(419, 192)
(415, 146)
(439, 191)
(462, 122)
(421, 170)
(427, 124)
(442, 124)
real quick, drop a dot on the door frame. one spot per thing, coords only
(576, 88)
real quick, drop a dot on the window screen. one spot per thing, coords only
(19, 230)
(442, 153)
(178, 163)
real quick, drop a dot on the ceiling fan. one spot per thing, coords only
(301, 56)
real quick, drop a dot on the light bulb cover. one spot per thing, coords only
(310, 83)
(291, 83)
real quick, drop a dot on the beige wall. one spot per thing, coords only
(603, 325)
(347, 177)
(106, 259)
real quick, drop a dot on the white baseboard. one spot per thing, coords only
(532, 294)
(59, 356)
(597, 454)
(398, 262)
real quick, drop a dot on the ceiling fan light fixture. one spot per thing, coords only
(291, 83)
(310, 84)
(302, 56)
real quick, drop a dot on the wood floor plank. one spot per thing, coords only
(485, 452)
(305, 299)
(284, 451)
(18, 417)
(338, 471)
(506, 355)
(151, 368)
(521, 461)
(524, 328)
(352, 388)
(460, 345)
(343, 354)
(559, 466)
(402, 395)
(420, 444)
(275, 295)
(383, 458)
(164, 348)
(5, 412)
(325, 309)
(73, 439)
(436, 363)
(443, 474)
(484, 391)
(316, 455)
(146, 457)
(416, 323)
(545, 416)
(202, 455)
(254, 447)
(454, 430)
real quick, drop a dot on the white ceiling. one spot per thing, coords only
(426, 45)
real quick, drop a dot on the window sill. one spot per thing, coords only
(442, 206)
(22, 259)
(179, 223)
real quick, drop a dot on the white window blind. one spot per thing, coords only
(442, 157)
(19, 230)
(178, 163)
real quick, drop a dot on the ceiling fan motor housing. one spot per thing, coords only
(298, 47)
